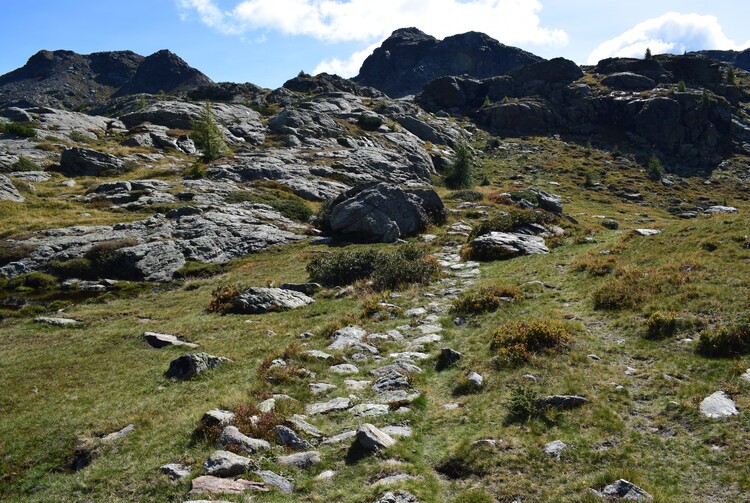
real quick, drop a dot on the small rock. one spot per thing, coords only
(300, 460)
(594, 357)
(117, 435)
(397, 497)
(530, 377)
(317, 354)
(299, 423)
(402, 366)
(625, 490)
(190, 365)
(175, 471)
(485, 442)
(330, 406)
(447, 358)
(371, 438)
(369, 410)
(391, 382)
(60, 322)
(475, 379)
(746, 376)
(230, 435)
(217, 417)
(341, 437)
(397, 397)
(227, 464)
(320, 387)
(555, 448)
(326, 475)
(393, 479)
(647, 232)
(721, 209)
(718, 405)
(275, 480)
(354, 385)
(415, 313)
(451, 406)
(397, 431)
(289, 438)
(344, 368)
(267, 405)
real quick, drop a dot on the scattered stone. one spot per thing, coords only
(430, 329)
(397, 431)
(427, 339)
(190, 365)
(718, 405)
(647, 232)
(213, 485)
(447, 358)
(452, 405)
(721, 209)
(369, 410)
(267, 405)
(117, 435)
(8, 191)
(415, 313)
(746, 376)
(255, 300)
(289, 438)
(555, 448)
(397, 497)
(410, 355)
(355, 385)
(397, 397)
(159, 341)
(318, 355)
(372, 438)
(325, 407)
(60, 322)
(401, 366)
(485, 442)
(299, 423)
(594, 357)
(625, 490)
(231, 435)
(275, 480)
(344, 368)
(341, 437)
(175, 471)
(393, 479)
(326, 475)
(217, 417)
(475, 379)
(391, 382)
(561, 401)
(320, 387)
(300, 460)
(227, 464)
(530, 377)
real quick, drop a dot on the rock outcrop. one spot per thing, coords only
(409, 58)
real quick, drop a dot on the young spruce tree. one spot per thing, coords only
(460, 174)
(207, 135)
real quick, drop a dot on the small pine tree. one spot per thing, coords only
(460, 173)
(648, 54)
(731, 78)
(207, 135)
(654, 169)
(681, 87)
(487, 102)
(706, 99)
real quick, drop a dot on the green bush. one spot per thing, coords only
(80, 268)
(12, 252)
(22, 129)
(460, 173)
(486, 299)
(195, 171)
(37, 281)
(731, 340)
(222, 298)
(522, 405)
(654, 169)
(388, 270)
(369, 122)
(197, 269)
(661, 325)
(515, 341)
(294, 209)
(288, 204)
(25, 164)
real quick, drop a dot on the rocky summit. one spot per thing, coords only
(469, 274)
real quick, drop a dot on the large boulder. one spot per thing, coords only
(155, 261)
(190, 365)
(383, 213)
(505, 245)
(628, 81)
(86, 162)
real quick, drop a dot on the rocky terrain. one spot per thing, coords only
(527, 282)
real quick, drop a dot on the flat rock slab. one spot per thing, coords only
(647, 232)
(371, 438)
(344, 368)
(214, 485)
(158, 341)
(289, 438)
(227, 464)
(369, 409)
(217, 417)
(397, 497)
(329, 406)
(255, 300)
(275, 480)
(190, 365)
(300, 460)
(320, 387)
(117, 435)
(718, 405)
(401, 366)
(60, 322)
(505, 245)
(175, 471)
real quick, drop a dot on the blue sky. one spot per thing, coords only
(269, 41)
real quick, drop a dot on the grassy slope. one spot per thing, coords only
(60, 383)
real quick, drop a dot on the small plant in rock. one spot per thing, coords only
(369, 122)
(207, 135)
(222, 298)
(460, 173)
(195, 171)
(486, 299)
(728, 340)
(681, 87)
(25, 164)
(654, 169)
(516, 341)
(22, 129)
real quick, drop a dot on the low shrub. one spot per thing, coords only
(661, 325)
(522, 405)
(486, 299)
(80, 268)
(730, 340)
(515, 341)
(287, 204)
(195, 171)
(610, 224)
(596, 265)
(197, 269)
(222, 298)
(26, 164)
(388, 270)
(37, 281)
(22, 129)
(12, 252)
(631, 287)
(467, 195)
(369, 122)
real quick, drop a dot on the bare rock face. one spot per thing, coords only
(86, 162)
(383, 213)
(256, 300)
(718, 405)
(8, 191)
(208, 484)
(504, 245)
(227, 464)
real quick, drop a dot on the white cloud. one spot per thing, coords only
(345, 67)
(512, 22)
(670, 33)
